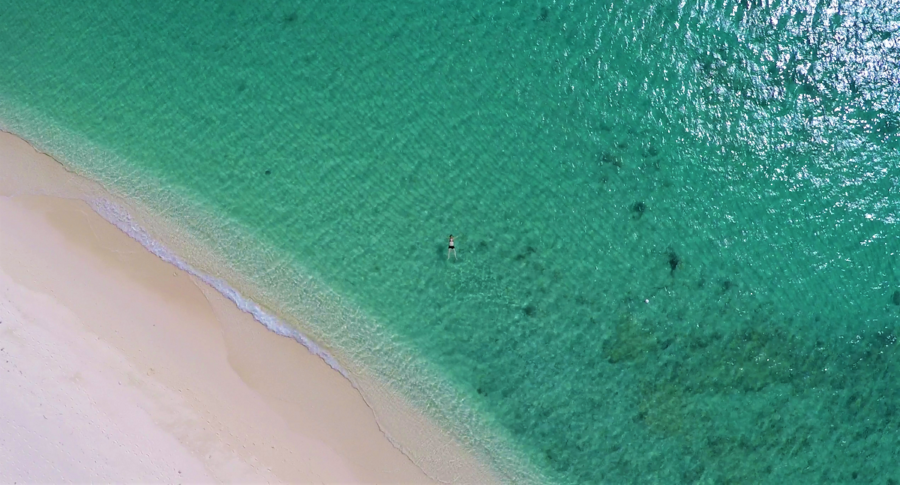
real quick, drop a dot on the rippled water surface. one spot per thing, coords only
(676, 221)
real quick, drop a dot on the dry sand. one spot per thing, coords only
(118, 367)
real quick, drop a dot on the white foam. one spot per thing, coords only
(123, 220)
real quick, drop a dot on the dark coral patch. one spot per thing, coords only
(638, 209)
(674, 261)
(528, 252)
(607, 158)
(651, 151)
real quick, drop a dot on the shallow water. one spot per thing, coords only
(676, 223)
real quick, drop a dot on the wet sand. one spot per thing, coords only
(116, 366)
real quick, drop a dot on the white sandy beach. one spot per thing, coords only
(117, 367)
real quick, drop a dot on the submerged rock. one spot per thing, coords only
(638, 209)
(607, 158)
(673, 261)
(650, 152)
(895, 298)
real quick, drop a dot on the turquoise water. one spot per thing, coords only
(676, 222)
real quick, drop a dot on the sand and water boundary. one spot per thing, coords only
(223, 397)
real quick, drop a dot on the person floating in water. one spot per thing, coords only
(452, 249)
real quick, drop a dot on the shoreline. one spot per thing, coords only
(222, 397)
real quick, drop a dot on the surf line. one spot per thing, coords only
(123, 220)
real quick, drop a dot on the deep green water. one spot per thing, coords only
(677, 223)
